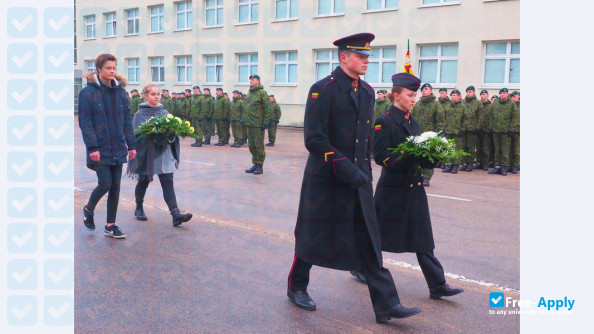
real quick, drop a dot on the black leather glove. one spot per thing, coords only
(510, 134)
(359, 180)
(461, 133)
(161, 140)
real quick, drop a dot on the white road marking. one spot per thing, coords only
(199, 163)
(449, 197)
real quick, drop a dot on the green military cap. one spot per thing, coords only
(443, 90)
(503, 90)
(166, 90)
(426, 85)
(455, 91)
(220, 89)
(255, 76)
(271, 95)
(134, 90)
(196, 87)
(358, 43)
(494, 97)
(484, 91)
(207, 89)
(188, 90)
(515, 92)
(470, 88)
(385, 91)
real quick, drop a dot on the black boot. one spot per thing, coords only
(139, 213)
(179, 217)
(496, 170)
(504, 170)
(514, 170)
(447, 169)
(197, 144)
(269, 144)
(251, 169)
(233, 145)
(485, 167)
(258, 169)
(206, 142)
(468, 168)
(455, 168)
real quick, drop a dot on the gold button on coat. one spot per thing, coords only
(411, 185)
(419, 184)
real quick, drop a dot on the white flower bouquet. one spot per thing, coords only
(168, 126)
(429, 145)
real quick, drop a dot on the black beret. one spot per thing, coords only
(271, 95)
(255, 76)
(406, 80)
(503, 90)
(455, 91)
(220, 89)
(484, 91)
(188, 90)
(426, 85)
(207, 89)
(443, 90)
(515, 92)
(358, 43)
(494, 97)
(134, 90)
(196, 87)
(470, 88)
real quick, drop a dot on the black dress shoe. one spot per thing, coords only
(139, 214)
(301, 299)
(443, 290)
(359, 276)
(398, 311)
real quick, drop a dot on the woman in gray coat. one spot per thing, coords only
(156, 155)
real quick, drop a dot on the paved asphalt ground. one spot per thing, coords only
(225, 270)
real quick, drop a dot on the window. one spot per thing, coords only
(133, 70)
(132, 21)
(248, 11)
(330, 7)
(157, 18)
(89, 26)
(214, 69)
(247, 65)
(502, 63)
(285, 67)
(110, 24)
(157, 70)
(438, 63)
(214, 13)
(286, 9)
(382, 65)
(326, 62)
(183, 11)
(90, 65)
(184, 69)
(438, 2)
(381, 4)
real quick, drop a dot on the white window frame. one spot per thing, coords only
(218, 67)
(186, 67)
(159, 16)
(249, 64)
(250, 4)
(160, 66)
(186, 14)
(439, 59)
(135, 67)
(330, 61)
(381, 60)
(92, 25)
(288, 64)
(508, 56)
(288, 13)
(440, 3)
(383, 9)
(110, 21)
(132, 20)
(333, 11)
(90, 65)
(214, 9)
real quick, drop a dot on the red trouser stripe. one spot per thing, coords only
(291, 272)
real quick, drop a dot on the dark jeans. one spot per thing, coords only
(108, 177)
(166, 184)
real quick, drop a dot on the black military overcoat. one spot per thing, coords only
(400, 198)
(334, 215)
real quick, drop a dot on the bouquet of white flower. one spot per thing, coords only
(167, 125)
(431, 146)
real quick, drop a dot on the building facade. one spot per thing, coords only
(219, 43)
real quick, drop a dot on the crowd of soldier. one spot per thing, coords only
(488, 129)
(210, 115)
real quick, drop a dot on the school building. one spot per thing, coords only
(219, 43)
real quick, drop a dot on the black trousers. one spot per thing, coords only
(431, 268)
(382, 289)
(166, 184)
(108, 182)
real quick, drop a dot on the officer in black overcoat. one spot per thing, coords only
(336, 223)
(400, 199)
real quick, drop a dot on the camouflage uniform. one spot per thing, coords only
(515, 139)
(237, 107)
(471, 131)
(429, 114)
(276, 115)
(258, 113)
(206, 114)
(444, 102)
(485, 153)
(381, 107)
(195, 119)
(221, 116)
(166, 102)
(134, 102)
(455, 123)
(504, 114)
